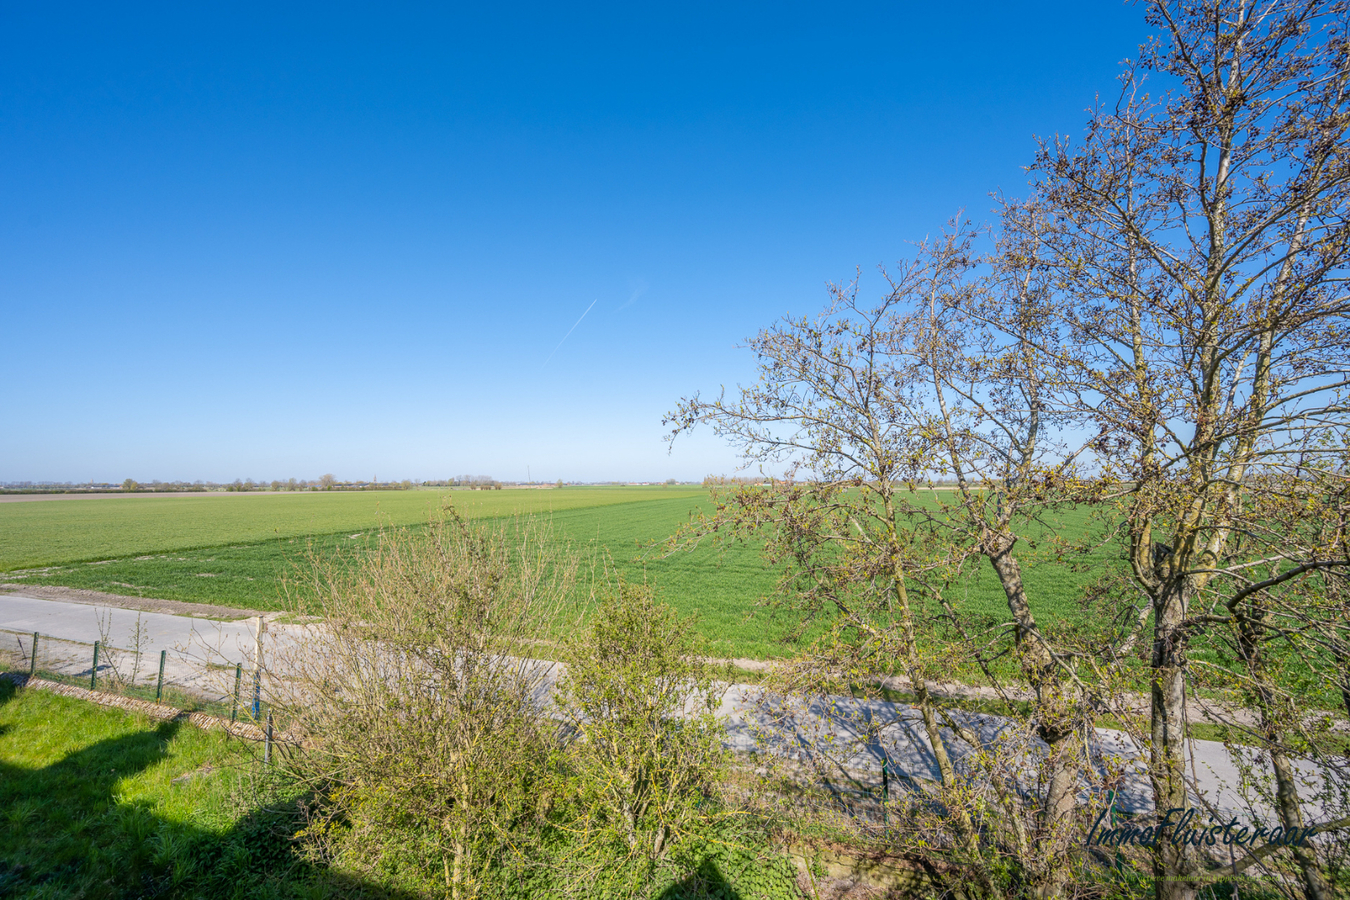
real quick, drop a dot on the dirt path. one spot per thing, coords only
(141, 604)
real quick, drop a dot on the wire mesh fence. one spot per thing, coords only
(178, 677)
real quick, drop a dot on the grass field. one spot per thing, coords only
(234, 549)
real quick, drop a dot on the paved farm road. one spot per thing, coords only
(81, 623)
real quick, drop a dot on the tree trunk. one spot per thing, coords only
(1286, 800)
(1173, 864)
(1055, 724)
(457, 891)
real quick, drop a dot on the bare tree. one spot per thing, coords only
(866, 409)
(1199, 243)
(1161, 333)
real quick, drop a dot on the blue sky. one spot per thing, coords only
(242, 242)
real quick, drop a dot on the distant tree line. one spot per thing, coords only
(53, 487)
(327, 482)
(131, 485)
(472, 482)
(738, 480)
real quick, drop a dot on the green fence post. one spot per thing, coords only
(93, 673)
(238, 674)
(32, 662)
(885, 791)
(159, 688)
(267, 747)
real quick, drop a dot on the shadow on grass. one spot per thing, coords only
(705, 883)
(64, 833)
(7, 692)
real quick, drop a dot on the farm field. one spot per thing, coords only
(208, 550)
(54, 533)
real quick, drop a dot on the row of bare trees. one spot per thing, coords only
(1158, 334)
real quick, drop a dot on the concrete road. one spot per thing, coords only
(200, 652)
(80, 622)
(854, 737)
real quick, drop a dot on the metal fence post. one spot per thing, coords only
(267, 747)
(257, 669)
(93, 673)
(32, 662)
(885, 791)
(159, 687)
(238, 675)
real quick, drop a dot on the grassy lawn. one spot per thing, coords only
(92, 810)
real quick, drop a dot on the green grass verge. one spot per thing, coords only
(102, 803)
(91, 809)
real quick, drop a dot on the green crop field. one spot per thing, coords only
(207, 549)
(235, 550)
(55, 532)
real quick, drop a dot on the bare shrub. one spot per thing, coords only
(647, 752)
(115, 657)
(416, 700)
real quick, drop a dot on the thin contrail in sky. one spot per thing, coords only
(570, 330)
